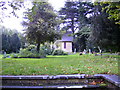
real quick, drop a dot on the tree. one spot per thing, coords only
(69, 15)
(10, 40)
(23, 40)
(82, 36)
(105, 33)
(85, 10)
(113, 9)
(5, 39)
(74, 16)
(41, 24)
(15, 43)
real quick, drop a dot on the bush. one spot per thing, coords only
(29, 52)
(47, 49)
(32, 53)
(6, 56)
(15, 55)
(59, 52)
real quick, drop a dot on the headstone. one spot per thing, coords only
(75, 50)
(90, 51)
(118, 53)
(84, 52)
(101, 52)
(4, 54)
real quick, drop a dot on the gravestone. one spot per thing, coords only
(84, 52)
(90, 51)
(4, 54)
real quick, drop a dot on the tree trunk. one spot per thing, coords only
(72, 28)
(38, 47)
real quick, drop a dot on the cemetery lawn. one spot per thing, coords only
(56, 65)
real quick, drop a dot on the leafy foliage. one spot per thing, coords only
(47, 49)
(69, 15)
(82, 36)
(59, 52)
(29, 52)
(41, 25)
(10, 40)
(74, 16)
(113, 9)
(105, 32)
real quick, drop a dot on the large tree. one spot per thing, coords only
(10, 40)
(42, 23)
(81, 38)
(74, 16)
(69, 15)
(105, 33)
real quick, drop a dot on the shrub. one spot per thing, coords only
(15, 55)
(6, 56)
(29, 52)
(47, 49)
(32, 53)
(59, 52)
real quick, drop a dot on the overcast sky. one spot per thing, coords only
(15, 23)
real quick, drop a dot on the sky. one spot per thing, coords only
(15, 23)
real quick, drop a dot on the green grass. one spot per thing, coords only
(54, 65)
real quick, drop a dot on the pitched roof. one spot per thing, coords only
(67, 37)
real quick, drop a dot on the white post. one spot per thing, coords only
(100, 50)
(89, 51)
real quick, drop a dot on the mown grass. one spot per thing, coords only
(54, 65)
